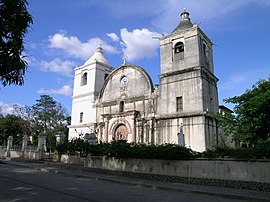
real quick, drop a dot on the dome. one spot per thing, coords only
(184, 23)
(98, 56)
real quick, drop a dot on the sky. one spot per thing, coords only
(65, 33)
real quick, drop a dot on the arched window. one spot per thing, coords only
(84, 79)
(179, 50)
(121, 106)
(179, 47)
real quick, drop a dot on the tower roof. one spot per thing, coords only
(97, 56)
(184, 23)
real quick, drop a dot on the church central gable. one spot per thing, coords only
(125, 82)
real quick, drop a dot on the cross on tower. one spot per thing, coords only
(125, 58)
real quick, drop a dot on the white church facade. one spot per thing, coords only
(122, 103)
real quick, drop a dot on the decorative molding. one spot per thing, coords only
(83, 125)
(184, 115)
(191, 69)
(85, 95)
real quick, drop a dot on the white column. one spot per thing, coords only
(60, 136)
(9, 145)
(41, 143)
(24, 142)
(106, 129)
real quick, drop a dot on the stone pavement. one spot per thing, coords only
(80, 171)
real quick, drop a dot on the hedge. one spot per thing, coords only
(122, 149)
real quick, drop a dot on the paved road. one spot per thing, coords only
(24, 184)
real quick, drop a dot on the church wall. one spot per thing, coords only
(188, 85)
(89, 87)
(193, 129)
(84, 105)
(80, 130)
(168, 130)
(100, 75)
(210, 98)
(206, 54)
(211, 132)
(166, 56)
(191, 57)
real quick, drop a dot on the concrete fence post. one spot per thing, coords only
(60, 137)
(41, 143)
(9, 145)
(24, 142)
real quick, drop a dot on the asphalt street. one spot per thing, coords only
(21, 183)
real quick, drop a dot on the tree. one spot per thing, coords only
(26, 115)
(44, 111)
(227, 127)
(252, 110)
(50, 117)
(14, 22)
(10, 125)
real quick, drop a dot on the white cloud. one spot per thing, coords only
(139, 44)
(65, 90)
(6, 108)
(64, 68)
(74, 47)
(113, 36)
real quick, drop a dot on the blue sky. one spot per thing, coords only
(65, 34)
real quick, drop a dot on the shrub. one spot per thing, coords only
(258, 151)
(122, 149)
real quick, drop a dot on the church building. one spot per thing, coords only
(123, 104)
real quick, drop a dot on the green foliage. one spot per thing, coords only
(121, 149)
(227, 124)
(44, 111)
(50, 117)
(14, 22)
(259, 151)
(45, 116)
(10, 125)
(252, 110)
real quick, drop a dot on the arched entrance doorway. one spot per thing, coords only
(121, 132)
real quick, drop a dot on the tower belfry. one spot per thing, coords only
(88, 81)
(188, 86)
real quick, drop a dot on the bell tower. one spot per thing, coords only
(188, 86)
(88, 81)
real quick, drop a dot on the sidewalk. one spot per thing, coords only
(80, 171)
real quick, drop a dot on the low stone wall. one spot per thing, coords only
(227, 173)
(32, 155)
(15, 154)
(72, 159)
(2, 151)
(255, 171)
